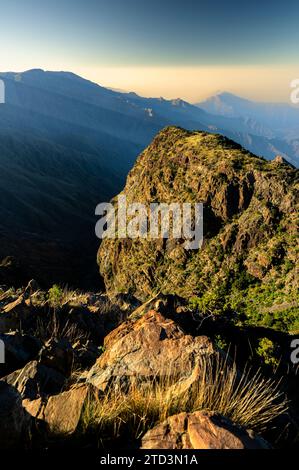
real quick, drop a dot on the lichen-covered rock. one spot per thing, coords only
(200, 430)
(150, 347)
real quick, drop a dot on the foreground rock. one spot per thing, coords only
(151, 347)
(62, 412)
(200, 430)
(12, 417)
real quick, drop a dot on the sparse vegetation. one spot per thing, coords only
(58, 296)
(239, 291)
(55, 296)
(55, 328)
(267, 351)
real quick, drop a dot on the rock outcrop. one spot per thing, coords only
(61, 412)
(148, 348)
(250, 224)
(36, 380)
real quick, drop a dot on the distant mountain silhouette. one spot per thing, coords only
(278, 122)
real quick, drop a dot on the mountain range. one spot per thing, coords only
(67, 144)
(278, 122)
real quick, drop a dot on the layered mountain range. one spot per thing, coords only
(277, 122)
(67, 144)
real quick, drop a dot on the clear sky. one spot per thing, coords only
(170, 48)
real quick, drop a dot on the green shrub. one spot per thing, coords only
(211, 302)
(56, 295)
(267, 351)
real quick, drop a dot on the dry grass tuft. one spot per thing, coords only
(248, 399)
(54, 328)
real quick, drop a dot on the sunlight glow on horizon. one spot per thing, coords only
(193, 84)
(197, 83)
(173, 48)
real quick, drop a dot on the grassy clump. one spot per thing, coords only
(248, 399)
(56, 295)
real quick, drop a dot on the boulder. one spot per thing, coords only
(12, 417)
(151, 347)
(61, 412)
(200, 430)
(46, 375)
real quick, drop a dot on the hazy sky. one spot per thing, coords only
(167, 48)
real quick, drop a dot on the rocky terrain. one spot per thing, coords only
(248, 265)
(82, 371)
(186, 349)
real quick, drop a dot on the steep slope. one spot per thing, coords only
(247, 265)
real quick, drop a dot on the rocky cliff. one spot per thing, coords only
(247, 265)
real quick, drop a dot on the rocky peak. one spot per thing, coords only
(279, 160)
(249, 220)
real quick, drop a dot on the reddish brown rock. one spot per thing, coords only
(151, 347)
(200, 430)
(61, 412)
